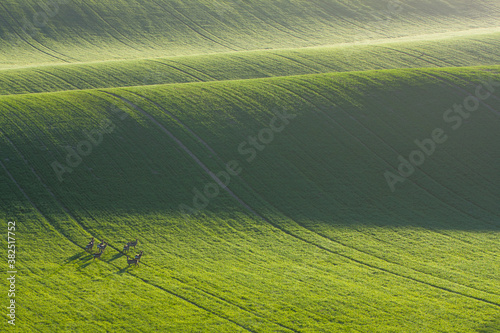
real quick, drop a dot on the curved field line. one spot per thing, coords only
(241, 308)
(33, 46)
(192, 303)
(76, 220)
(392, 148)
(342, 18)
(46, 188)
(487, 181)
(35, 207)
(297, 62)
(178, 69)
(194, 69)
(431, 178)
(326, 114)
(286, 231)
(462, 90)
(90, 85)
(193, 29)
(112, 27)
(471, 170)
(186, 149)
(365, 251)
(286, 29)
(444, 235)
(419, 57)
(206, 145)
(58, 77)
(264, 219)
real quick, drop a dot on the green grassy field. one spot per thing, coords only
(433, 52)
(247, 145)
(75, 30)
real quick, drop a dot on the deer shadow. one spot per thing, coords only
(116, 256)
(75, 257)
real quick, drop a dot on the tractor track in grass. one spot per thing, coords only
(183, 126)
(110, 245)
(227, 318)
(197, 25)
(176, 295)
(87, 229)
(394, 150)
(240, 307)
(487, 181)
(352, 135)
(369, 254)
(472, 203)
(49, 191)
(186, 149)
(469, 169)
(57, 77)
(270, 18)
(415, 270)
(33, 46)
(194, 69)
(464, 91)
(178, 70)
(345, 245)
(112, 27)
(360, 262)
(435, 230)
(249, 101)
(46, 218)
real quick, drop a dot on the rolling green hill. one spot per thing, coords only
(307, 237)
(75, 30)
(286, 165)
(433, 52)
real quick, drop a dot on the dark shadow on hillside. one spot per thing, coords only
(116, 256)
(328, 165)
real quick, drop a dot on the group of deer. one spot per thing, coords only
(137, 257)
(102, 246)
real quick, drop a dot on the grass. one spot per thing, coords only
(440, 52)
(92, 31)
(335, 251)
(307, 236)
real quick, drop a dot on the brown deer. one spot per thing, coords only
(90, 246)
(133, 244)
(132, 261)
(97, 255)
(138, 256)
(102, 246)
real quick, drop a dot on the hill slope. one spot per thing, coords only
(74, 31)
(307, 237)
(437, 51)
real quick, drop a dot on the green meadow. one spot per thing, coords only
(286, 166)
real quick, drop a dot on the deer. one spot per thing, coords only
(133, 244)
(97, 255)
(138, 256)
(89, 246)
(102, 246)
(132, 261)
